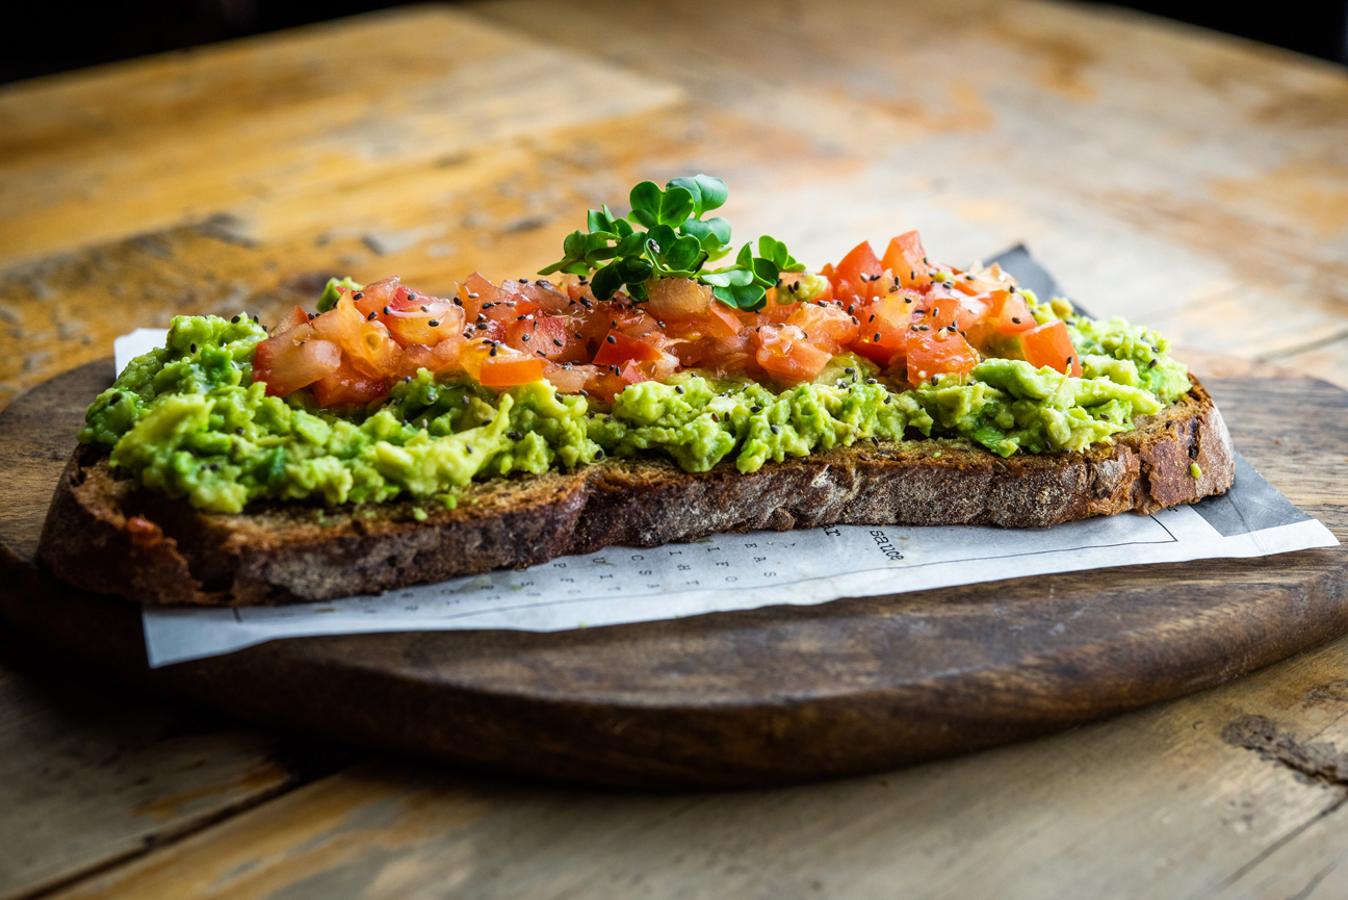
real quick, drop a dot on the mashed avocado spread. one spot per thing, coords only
(187, 420)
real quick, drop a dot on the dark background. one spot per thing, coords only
(53, 36)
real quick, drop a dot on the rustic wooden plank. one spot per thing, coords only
(920, 162)
(1328, 360)
(500, 210)
(1158, 182)
(229, 128)
(90, 776)
(1158, 803)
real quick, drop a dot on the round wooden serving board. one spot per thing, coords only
(769, 695)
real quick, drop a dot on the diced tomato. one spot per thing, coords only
(296, 318)
(443, 357)
(550, 337)
(377, 294)
(1007, 314)
(828, 327)
(1048, 345)
(859, 275)
(962, 312)
(474, 293)
(721, 321)
(725, 356)
(883, 330)
(906, 258)
(294, 359)
(413, 318)
(365, 344)
(618, 348)
(498, 365)
(933, 353)
(679, 298)
(785, 354)
(569, 379)
(348, 387)
(607, 382)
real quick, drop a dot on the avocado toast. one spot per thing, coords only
(643, 396)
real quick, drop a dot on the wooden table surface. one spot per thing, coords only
(1186, 179)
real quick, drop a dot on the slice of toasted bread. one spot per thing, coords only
(106, 535)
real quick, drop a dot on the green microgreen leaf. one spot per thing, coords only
(709, 192)
(645, 200)
(665, 236)
(675, 206)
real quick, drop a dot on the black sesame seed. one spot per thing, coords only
(370, 317)
(358, 295)
(611, 339)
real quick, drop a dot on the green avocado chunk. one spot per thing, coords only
(188, 421)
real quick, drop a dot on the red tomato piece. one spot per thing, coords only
(443, 357)
(498, 365)
(376, 295)
(294, 359)
(906, 258)
(884, 327)
(933, 353)
(608, 382)
(365, 344)
(1007, 315)
(1050, 345)
(828, 327)
(858, 275)
(569, 379)
(551, 337)
(785, 354)
(618, 348)
(413, 318)
(296, 318)
(349, 387)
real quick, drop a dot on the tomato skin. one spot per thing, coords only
(962, 312)
(366, 344)
(1007, 315)
(413, 318)
(784, 353)
(296, 318)
(933, 353)
(443, 357)
(348, 387)
(498, 365)
(551, 337)
(294, 359)
(907, 259)
(859, 274)
(569, 379)
(376, 295)
(1049, 345)
(607, 383)
(617, 348)
(882, 336)
(828, 327)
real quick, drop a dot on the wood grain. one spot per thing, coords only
(760, 696)
(1155, 804)
(1164, 172)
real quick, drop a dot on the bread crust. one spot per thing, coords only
(106, 535)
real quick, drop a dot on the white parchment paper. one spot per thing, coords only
(743, 571)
